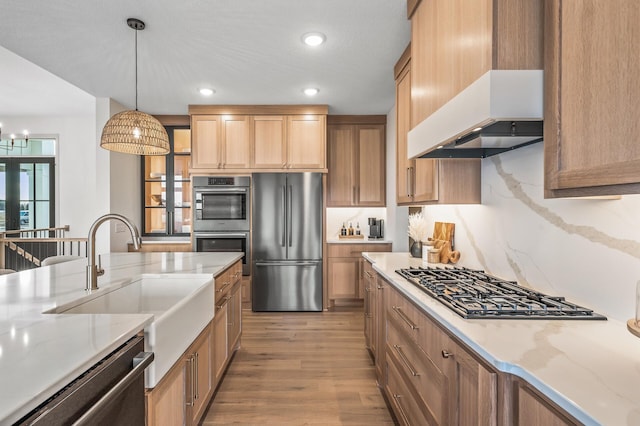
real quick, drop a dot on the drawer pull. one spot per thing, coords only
(405, 361)
(380, 287)
(446, 354)
(405, 318)
(221, 289)
(367, 289)
(368, 274)
(402, 413)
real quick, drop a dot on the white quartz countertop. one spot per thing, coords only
(589, 368)
(364, 240)
(40, 353)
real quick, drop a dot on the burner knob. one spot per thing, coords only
(446, 354)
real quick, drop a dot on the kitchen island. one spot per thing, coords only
(590, 369)
(41, 352)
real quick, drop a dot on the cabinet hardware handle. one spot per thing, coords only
(405, 318)
(226, 283)
(402, 413)
(354, 199)
(192, 399)
(405, 361)
(446, 354)
(224, 302)
(380, 287)
(368, 274)
(284, 165)
(195, 386)
(367, 289)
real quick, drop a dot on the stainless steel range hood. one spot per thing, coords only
(501, 111)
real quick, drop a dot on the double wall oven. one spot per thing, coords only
(222, 215)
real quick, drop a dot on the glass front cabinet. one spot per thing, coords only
(167, 187)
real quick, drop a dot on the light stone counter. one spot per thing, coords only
(364, 240)
(40, 353)
(589, 368)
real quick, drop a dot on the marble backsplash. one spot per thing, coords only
(336, 216)
(587, 250)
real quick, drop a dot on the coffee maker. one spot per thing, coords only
(376, 228)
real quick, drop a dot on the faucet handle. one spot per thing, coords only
(99, 270)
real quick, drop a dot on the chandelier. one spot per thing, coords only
(135, 132)
(10, 143)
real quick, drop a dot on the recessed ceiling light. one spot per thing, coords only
(311, 91)
(205, 91)
(313, 39)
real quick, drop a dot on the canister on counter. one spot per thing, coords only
(433, 255)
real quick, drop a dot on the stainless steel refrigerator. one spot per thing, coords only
(287, 242)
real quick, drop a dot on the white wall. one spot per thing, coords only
(586, 250)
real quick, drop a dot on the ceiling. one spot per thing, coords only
(248, 51)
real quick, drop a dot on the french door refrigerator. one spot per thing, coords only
(287, 242)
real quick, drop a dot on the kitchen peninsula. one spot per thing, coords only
(589, 369)
(42, 352)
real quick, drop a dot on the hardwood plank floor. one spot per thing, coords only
(300, 369)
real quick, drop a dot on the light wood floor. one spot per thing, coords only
(300, 369)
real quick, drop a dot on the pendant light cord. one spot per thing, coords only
(136, 44)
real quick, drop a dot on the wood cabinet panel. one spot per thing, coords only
(591, 119)
(371, 166)
(341, 179)
(401, 397)
(306, 142)
(269, 142)
(344, 275)
(220, 344)
(201, 359)
(235, 316)
(357, 175)
(206, 150)
(236, 142)
(166, 404)
(534, 409)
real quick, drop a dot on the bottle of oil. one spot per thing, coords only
(350, 228)
(343, 230)
(358, 228)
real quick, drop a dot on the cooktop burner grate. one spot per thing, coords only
(473, 294)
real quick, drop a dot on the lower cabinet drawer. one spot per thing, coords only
(430, 384)
(404, 405)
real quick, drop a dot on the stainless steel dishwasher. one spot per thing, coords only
(109, 393)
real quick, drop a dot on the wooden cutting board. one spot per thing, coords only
(444, 231)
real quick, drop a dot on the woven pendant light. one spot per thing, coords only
(135, 132)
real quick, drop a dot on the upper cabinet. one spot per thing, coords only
(356, 150)
(239, 139)
(455, 42)
(427, 181)
(591, 96)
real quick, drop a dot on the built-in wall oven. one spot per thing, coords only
(238, 241)
(222, 216)
(221, 203)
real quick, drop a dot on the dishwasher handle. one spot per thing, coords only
(140, 362)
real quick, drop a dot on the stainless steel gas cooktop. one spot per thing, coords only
(473, 294)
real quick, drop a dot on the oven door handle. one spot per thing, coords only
(201, 190)
(221, 235)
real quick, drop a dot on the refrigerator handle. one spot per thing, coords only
(289, 214)
(284, 216)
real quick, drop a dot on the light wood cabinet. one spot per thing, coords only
(227, 321)
(431, 378)
(243, 138)
(534, 409)
(183, 394)
(428, 181)
(454, 42)
(345, 264)
(356, 150)
(591, 120)
(162, 247)
(269, 142)
(306, 142)
(220, 142)
(246, 292)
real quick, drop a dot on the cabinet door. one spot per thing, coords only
(404, 172)
(306, 142)
(591, 111)
(201, 374)
(341, 186)
(236, 152)
(220, 340)
(380, 328)
(370, 165)
(343, 278)
(533, 409)
(234, 317)
(269, 142)
(474, 388)
(166, 403)
(206, 142)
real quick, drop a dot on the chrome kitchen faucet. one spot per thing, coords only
(93, 270)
